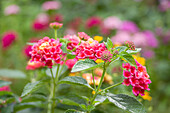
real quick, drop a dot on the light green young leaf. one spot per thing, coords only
(75, 81)
(87, 64)
(31, 87)
(70, 56)
(121, 48)
(4, 83)
(137, 50)
(126, 102)
(109, 44)
(12, 73)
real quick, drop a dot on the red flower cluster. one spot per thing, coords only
(74, 41)
(138, 78)
(90, 49)
(93, 22)
(47, 51)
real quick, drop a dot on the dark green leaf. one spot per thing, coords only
(72, 111)
(128, 58)
(75, 80)
(22, 106)
(4, 83)
(11, 73)
(8, 109)
(126, 102)
(31, 87)
(137, 50)
(99, 99)
(33, 98)
(87, 64)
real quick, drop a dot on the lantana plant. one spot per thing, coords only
(81, 53)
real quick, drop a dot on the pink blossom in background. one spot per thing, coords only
(159, 31)
(166, 38)
(70, 63)
(42, 18)
(139, 39)
(70, 31)
(93, 22)
(12, 10)
(151, 39)
(41, 22)
(129, 26)
(164, 5)
(148, 54)
(8, 38)
(112, 22)
(75, 23)
(105, 31)
(57, 17)
(51, 5)
(5, 88)
(121, 37)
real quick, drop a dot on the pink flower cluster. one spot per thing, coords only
(8, 38)
(83, 36)
(90, 49)
(73, 41)
(106, 55)
(56, 25)
(47, 51)
(138, 78)
(34, 65)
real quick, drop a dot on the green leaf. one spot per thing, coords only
(8, 109)
(4, 83)
(128, 58)
(70, 56)
(72, 111)
(31, 87)
(109, 44)
(11, 73)
(75, 81)
(137, 50)
(33, 98)
(86, 64)
(68, 102)
(126, 102)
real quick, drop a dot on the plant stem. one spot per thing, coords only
(55, 34)
(51, 103)
(100, 84)
(57, 74)
(112, 86)
(94, 81)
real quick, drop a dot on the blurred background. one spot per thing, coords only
(145, 22)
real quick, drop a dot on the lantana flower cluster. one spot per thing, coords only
(90, 49)
(47, 51)
(137, 77)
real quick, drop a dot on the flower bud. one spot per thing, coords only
(56, 25)
(106, 55)
(130, 45)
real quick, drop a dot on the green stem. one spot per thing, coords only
(94, 81)
(51, 102)
(55, 33)
(112, 86)
(100, 84)
(56, 79)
